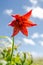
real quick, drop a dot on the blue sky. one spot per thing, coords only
(34, 42)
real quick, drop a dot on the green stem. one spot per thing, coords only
(12, 48)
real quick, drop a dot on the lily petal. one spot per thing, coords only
(12, 23)
(24, 31)
(27, 15)
(15, 31)
(29, 23)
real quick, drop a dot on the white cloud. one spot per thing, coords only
(35, 35)
(29, 41)
(37, 12)
(41, 35)
(33, 1)
(41, 43)
(8, 11)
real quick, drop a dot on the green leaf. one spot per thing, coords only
(8, 58)
(1, 64)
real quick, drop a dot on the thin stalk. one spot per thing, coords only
(12, 48)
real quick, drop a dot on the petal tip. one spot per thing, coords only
(35, 24)
(31, 10)
(9, 24)
(12, 15)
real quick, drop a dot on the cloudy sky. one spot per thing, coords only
(34, 42)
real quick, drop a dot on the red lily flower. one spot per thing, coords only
(20, 23)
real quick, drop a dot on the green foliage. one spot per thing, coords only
(23, 58)
(1, 64)
(17, 58)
